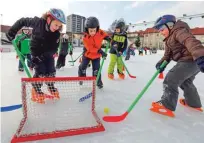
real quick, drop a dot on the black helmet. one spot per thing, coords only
(121, 25)
(91, 22)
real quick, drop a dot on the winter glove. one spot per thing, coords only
(115, 46)
(37, 59)
(104, 55)
(107, 38)
(119, 54)
(70, 53)
(158, 66)
(84, 51)
(10, 35)
(200, 62)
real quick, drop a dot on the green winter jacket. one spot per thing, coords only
(23, 43)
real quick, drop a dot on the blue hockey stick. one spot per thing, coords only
(10, 108)
(85, 97)
(97, 78)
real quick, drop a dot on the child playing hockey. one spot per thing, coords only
(23, 43)
(64, 49)
(130, 51)
(92, 41)
(180, 46)
(141, 49)
(119, 45)
(44, 44)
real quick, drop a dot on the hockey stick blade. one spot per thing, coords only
(115, 118)
(132, 76)
(85, 97)
(10, 108)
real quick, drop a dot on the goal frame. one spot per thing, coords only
(56, 134)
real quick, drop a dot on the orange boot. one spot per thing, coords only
(39, 97)
(183, 102)
(161, 109)
(111, 76)
(54, 92)
(121, 75)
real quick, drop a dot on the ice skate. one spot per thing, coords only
(159, 108)
(111, 76)
(183, 102)
(53, 91)
(121, 75)
(39, 96)
(20, 69)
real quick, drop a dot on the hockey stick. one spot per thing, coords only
(125, 65)
(14, 107)
(123, 116)
(76, 58)
(97, 78)
(70, 47)
(21, 59)
(10, 108)
(20, 56)
(85, 97)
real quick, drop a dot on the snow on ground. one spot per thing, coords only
(140, 126)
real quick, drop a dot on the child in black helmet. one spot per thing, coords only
(92, 41)
(44, 44)
(64, 49)
(119, 43)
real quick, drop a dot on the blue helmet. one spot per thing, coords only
(57, 14)
(164, 20)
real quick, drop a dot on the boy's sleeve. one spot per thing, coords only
(28, 22)
(193, 45)
(85, 43)
(167, 54)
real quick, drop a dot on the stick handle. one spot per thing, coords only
(145, 88)
(21, 59)
(100, 69)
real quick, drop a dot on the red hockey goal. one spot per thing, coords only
(58, 117)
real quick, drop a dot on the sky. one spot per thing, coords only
(105, 11)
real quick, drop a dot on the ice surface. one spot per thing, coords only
(140, 126)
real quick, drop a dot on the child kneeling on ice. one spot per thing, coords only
(180, 46)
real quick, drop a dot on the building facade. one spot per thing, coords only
(153, 39)
(75, 23)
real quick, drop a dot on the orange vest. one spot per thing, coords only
(93, 44)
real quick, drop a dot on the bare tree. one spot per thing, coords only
(112, 26)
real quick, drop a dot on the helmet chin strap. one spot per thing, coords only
(47, 26)
(168, 27)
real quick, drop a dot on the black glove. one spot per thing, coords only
(115, 46)
(107, 38)
(118, 54)
(84, 51)
(158, 66)
(70, 52)
(10, 35)
(104, 55)
(200, 62)
(37, 59)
